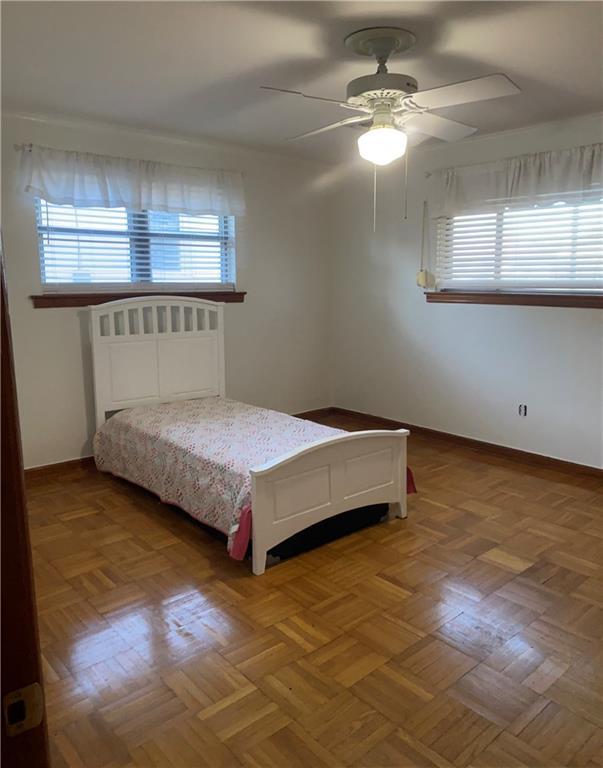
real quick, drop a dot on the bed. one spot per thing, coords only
(164, 423)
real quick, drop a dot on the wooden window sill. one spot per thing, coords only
(586, 301)
(46, 300)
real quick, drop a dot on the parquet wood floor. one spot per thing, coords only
(467, 635)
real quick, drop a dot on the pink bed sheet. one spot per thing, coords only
(196, 454)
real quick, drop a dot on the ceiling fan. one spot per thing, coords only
(392, 104)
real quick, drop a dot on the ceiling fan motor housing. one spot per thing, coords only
(386, 85)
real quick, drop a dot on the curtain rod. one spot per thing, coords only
(29, 147)
(517, 157)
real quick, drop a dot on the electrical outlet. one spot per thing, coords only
(523, 409)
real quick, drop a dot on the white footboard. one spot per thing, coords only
(324, 479)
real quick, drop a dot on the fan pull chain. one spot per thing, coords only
(406, 185)
(374, 198)
(405, 217)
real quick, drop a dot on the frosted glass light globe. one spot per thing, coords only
(382, 145)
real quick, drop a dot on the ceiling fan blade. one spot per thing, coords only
(297, 93)
(361, 125)
(316, 98)
(415, 138)
(440, 127)
(330, 127)
(479, 89)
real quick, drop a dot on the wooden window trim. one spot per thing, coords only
(54, 300)
(583, 300)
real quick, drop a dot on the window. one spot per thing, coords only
(114, 247)
(550, 248)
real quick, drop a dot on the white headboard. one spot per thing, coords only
(155, 349)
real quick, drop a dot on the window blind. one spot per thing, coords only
(554, 247)
(114, 246)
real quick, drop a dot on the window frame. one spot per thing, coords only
(522, 299)
(140, 287)
(544, 295)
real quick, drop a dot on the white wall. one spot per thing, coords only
(459, 368)
(275, 342)
(332, 315)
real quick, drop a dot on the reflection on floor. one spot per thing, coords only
(469, 634)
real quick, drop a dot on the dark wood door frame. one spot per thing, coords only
(21, 664)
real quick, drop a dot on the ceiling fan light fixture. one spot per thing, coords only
(382, 145)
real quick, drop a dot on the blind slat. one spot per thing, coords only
(106, 245)
(561, 245)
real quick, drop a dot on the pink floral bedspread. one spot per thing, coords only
(197, 454)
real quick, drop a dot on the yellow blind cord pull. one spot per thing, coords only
(424, 276)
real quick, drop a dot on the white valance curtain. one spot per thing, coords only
(89, 180)
(568, 174)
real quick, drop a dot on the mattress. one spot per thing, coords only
(197, 454)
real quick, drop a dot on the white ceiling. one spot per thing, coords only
(195, 68)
